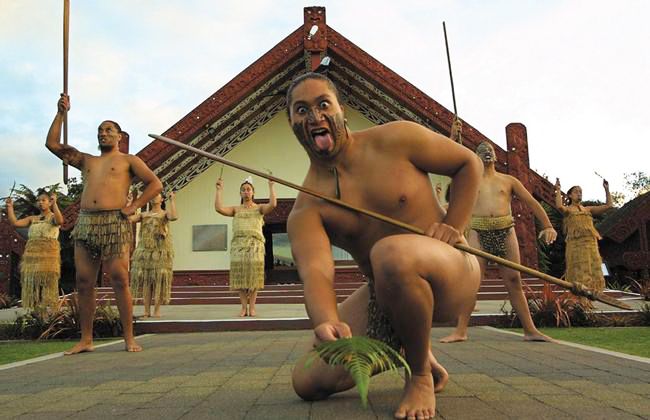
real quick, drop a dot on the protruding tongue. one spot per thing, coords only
(323, 142)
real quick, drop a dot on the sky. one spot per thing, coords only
(575, 73)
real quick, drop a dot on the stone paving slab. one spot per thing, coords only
(247, 375)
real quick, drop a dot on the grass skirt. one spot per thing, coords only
(246, 264)
(583, 262)
(104, 233)
(152, 270)
(492, 233)
(40, 270)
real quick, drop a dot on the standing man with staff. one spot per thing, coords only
(492, 230)
(102, 234)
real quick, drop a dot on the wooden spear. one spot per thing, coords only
(458, 136)
(451, 76)
(575, 288)
(66, 37)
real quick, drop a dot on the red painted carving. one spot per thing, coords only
(637, 260)
(517, 145)
(281, 212)
(317, 42)
(10, 243)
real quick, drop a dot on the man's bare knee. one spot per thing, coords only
(388, 260)
(309, 384)
(307, 388)
(84, 284)
(119, 281)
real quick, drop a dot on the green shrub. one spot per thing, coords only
(62, 321)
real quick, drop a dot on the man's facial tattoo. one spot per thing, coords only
(486, 153)
(335, 125)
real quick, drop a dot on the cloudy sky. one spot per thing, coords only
(574, 72)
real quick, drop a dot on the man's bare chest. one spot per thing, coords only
(98, 168)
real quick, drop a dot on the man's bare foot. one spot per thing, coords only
(440, 375)
(454, 338)
(146, 316)
(419, 399)
(80, 348)
(157, 315)
(131, 345)
(538, 336)
(252, 312)
(243, 313)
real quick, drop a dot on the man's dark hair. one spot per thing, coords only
(119, 129)
(307, 76)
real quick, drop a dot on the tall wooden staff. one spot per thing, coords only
(575, 288)
(455, 131)
(66, 37)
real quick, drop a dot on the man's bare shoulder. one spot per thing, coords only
(392, 130)
(131, 158)
(501, 177)
(391, 135)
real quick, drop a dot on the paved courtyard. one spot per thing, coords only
(247, 375)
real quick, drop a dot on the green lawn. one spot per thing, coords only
(630, 340)
(14, 351)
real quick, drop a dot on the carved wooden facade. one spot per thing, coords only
(626, 237)
(256, 95)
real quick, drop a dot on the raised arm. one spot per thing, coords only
(218, 202)
(153, 186)
(558, 197)
(58, 217)
(435, 153)
(312, 254)
(596, 210)
(171, 212)
(11, 216)
(273, 201)
(548, 233)
(67, 154)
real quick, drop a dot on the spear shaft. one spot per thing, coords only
(573, 287)
(66, 38)
(451, 76)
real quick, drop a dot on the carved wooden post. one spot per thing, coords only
(315, 43)
(519, 167)
(10, 243)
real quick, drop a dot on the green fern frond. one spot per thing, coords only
(360, 356)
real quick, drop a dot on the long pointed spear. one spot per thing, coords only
(575, 288)
(451, 76)
(66, 38)
(456, 126)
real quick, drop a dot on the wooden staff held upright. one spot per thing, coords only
(66, 37)
(457, 126)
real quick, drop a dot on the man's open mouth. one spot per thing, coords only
(323, 140)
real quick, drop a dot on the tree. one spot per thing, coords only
(637, 182)
(25, 198)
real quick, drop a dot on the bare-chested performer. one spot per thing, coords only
(492, 229)
(414, 279)
(102, 233)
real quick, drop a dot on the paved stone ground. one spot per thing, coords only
(246, 375)
(274, 311)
